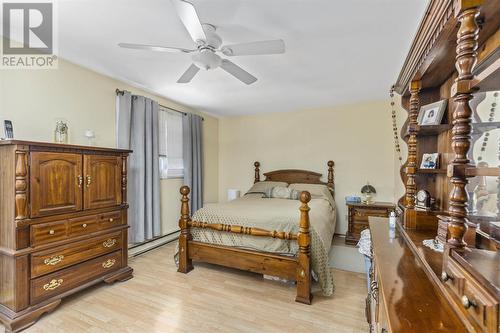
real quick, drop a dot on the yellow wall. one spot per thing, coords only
(34, 99)
(358, 137)
(401, 116)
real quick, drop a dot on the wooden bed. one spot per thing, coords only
(296, 268)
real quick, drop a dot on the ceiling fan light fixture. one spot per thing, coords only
(206, 59)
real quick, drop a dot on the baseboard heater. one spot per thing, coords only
(138, 249)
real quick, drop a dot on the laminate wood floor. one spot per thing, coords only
(208, 299)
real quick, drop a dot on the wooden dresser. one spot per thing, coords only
(403, 298)
(63, 225)
(411, 292)
(357, 217)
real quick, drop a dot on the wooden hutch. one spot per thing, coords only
(455, 56)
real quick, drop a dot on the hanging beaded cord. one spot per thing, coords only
(395, 126)
(486, 135)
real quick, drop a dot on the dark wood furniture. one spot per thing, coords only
(357, 217)
(63, 225)
(402, 298)
(456, 56)
(296, 268)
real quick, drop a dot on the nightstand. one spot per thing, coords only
(357, 217)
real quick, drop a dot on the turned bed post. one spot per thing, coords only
(330, 174)
(185, 263)
(304, 258)
(257, 172)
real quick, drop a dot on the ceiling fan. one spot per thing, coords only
(209, 44)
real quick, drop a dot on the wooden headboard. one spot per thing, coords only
(296, 176)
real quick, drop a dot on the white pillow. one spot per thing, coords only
(316, 191)
(262, 187)
(282, 192)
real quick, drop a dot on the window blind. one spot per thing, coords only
(170, 147)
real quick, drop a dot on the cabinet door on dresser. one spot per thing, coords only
(102, 181)
(56, 183)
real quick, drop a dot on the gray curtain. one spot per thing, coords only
(193, 158)
(137, 129)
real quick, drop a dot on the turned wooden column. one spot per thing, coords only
(411, 163)
(466, 58)
(411, 166)
(257, 172)
(185, 263)
(304, 258)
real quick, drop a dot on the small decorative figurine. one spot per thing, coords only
(61, 132)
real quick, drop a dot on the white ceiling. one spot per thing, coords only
(337, 52)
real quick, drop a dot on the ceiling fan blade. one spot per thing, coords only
(237, 72)
(189, 17)
(255, 48)
(188, 74)
(153, 48)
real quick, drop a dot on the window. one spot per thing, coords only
(170, 148)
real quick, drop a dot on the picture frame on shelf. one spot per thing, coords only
(432, 114)
(7, 130)
(430, 161)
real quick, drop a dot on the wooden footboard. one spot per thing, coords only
(292, 268)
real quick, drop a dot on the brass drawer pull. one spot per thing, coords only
(52, 285)
(51, 232)
(80, 180)
(54, 260)
(89, 180)
(467, 303)
(84, 225)
(109, 242)
(108, 263)
(111, 219)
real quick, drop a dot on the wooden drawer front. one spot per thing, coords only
(50, 261)
(476, 303)
(72, 277)
(357, 227)
(483, 308)
(110, 220)
(83, 225)
(362, 214)
(456, 279)
(44, 233)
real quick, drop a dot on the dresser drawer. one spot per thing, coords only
(362, 214)
(476, 303)
(83, 225)
(56, 283)
(110, 220)
(70, 254)
(44, 233)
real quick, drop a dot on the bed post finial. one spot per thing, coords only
(304, 258)
(330, 174)
(185, 263)
(257, 172)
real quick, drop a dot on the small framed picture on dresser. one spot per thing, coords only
(430, 161)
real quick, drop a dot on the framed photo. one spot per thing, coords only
(430, 161)
(432, 114)
(7, 131)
